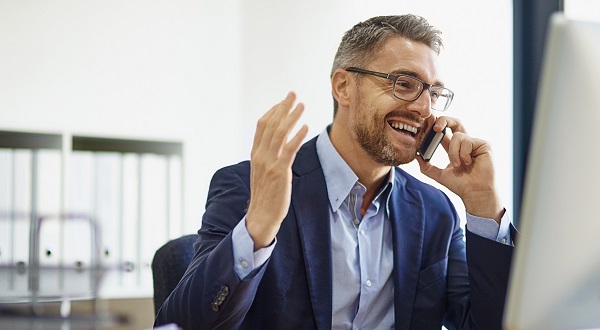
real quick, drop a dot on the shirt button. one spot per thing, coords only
(244, 263)
(504, 240)
(362, 232)
(369, 283)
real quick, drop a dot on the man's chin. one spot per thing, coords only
(399, 158)
(404, 161)
(404, 156)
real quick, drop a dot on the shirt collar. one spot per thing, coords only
(339, 177)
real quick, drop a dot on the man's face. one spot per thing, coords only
(391, 130)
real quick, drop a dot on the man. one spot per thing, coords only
(332, 234)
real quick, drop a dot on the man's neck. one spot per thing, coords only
(370, 173)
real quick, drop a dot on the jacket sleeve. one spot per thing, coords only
(210, 295)
(489, 269)
(477, 280)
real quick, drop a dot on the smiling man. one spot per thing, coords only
(332, 233)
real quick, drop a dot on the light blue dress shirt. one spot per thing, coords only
(362, 255)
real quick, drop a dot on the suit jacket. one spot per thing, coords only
(293, 290)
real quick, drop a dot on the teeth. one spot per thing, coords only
(404, 127)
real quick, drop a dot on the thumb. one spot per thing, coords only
(430, 170)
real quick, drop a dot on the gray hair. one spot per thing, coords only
(359, 43)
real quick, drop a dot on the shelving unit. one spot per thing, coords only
(130, 189)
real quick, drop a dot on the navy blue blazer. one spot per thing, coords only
(293, 290)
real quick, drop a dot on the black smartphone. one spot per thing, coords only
(431, 142)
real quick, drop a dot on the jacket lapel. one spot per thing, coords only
(310, 204)
(406, 217)
(311, 208)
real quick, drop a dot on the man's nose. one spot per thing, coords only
(422, 104)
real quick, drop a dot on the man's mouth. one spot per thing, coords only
(404, 128)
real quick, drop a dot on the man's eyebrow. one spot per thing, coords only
(416, 75)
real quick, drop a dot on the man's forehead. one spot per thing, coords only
(399, 55)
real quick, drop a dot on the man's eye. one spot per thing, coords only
(405, 84)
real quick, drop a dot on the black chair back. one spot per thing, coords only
(168, 266)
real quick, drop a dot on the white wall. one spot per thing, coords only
(136, 69)
(204, 71)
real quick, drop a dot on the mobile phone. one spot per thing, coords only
(431, 142)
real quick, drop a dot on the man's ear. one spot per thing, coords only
(341, 84)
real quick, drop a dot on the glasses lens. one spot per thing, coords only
(407, 88)
(440, 98)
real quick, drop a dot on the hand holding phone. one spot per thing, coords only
(430, 143)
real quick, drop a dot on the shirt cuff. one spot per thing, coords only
(245, 259)
(489, 228)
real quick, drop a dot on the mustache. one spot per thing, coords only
(406, 115)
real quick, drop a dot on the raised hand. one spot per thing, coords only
(271, 170)
(470, 173)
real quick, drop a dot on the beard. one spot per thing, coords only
(370, 134)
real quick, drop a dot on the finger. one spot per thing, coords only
(272, 123)
(290, 150)
(270, 120)
(454, 124)
(479, 147)
(260, 126)
(454, 149)
(438, 125)
(466, 149)
(280, 136)
(446, 141)
(429, 169)
(430, 122)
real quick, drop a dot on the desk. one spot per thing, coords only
(21, 317)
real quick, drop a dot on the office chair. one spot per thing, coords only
(168, 266)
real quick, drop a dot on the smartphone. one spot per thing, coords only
(431, 142)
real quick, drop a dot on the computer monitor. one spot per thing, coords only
(555, 279)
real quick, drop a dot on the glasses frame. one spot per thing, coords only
(394, 78)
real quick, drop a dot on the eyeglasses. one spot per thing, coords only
(409, 88)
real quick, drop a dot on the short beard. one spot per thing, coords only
(373, 140)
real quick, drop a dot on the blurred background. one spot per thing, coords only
(200, 73)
